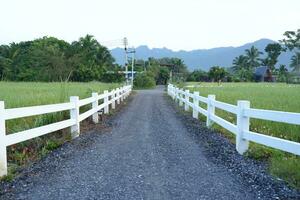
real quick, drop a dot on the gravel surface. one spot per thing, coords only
(149, 150)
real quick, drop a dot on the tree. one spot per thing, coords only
(198, 75)
(217, 73)
(163, 76)
(241, 68)
(144, 80)
(273, 50)
(295, 62)
(292, 42)
(282, 74)
(252, 55)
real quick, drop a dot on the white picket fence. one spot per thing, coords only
(109, 98)
(243, 112)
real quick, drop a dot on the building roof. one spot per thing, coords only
(261, 71)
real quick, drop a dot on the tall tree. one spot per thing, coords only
(273, 51)
(295, 62)
(241, 68)
(291, 41)
(253, 57)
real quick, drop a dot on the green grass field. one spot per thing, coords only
(281, 97)
(21, 94)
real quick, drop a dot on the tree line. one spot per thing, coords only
(51, 59)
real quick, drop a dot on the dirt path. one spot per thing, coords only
(148, 154)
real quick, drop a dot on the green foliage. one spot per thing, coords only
(273, 50)
(198, 75)
(295, 62)
(292, 42)
(162, 67)
(253, 57)
(51, 59)
(243, 66)
(217, 73)
(144, 80)
(282, 74)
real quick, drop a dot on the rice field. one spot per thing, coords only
(270, 96)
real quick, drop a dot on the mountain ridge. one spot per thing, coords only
(202, 58)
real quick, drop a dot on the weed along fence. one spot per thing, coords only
(108, 98)
(243, 114)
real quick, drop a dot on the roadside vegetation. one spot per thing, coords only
(158, 71)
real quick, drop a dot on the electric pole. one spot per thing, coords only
(125, 42)
(132, 63)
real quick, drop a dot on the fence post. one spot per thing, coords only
(195, 104)
(106, 107)
(243, 124)
(180, 98)
(177, 95)
(74, 114)
(3, 153)
(113, 104)
(118, 95)
(121, 93)
(94, 107)
(187, 99)
(210, 110)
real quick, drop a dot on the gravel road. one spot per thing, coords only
(147, 151)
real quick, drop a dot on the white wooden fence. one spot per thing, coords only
(109, 98)
(243, 112)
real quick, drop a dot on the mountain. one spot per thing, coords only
(201, 58)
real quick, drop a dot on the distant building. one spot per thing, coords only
(264, 74)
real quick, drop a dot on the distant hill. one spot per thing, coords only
(202, 58)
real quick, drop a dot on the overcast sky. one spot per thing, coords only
(175, 24)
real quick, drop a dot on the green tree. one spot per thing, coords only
(295, 62)
(282, 74)
(144, 80)
(217, 73)
(241, 68)
(273, 50)
(292, 42)
(252, 55)
(198, 75)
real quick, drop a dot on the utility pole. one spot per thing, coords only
(132, 63)
(125, 42)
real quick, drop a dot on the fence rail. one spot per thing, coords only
(109, 99)
(243, 114)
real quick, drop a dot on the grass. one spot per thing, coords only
(272, 96)
(21, 94)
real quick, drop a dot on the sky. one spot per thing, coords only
(175, 24)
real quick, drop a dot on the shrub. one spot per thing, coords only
(143, 80)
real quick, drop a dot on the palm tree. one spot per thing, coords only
(295, 62)
(253, 57)
(241, 68)
(240, 62)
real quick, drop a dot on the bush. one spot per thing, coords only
(143, 80)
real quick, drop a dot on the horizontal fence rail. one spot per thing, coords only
(108, 99)
(243, 114)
